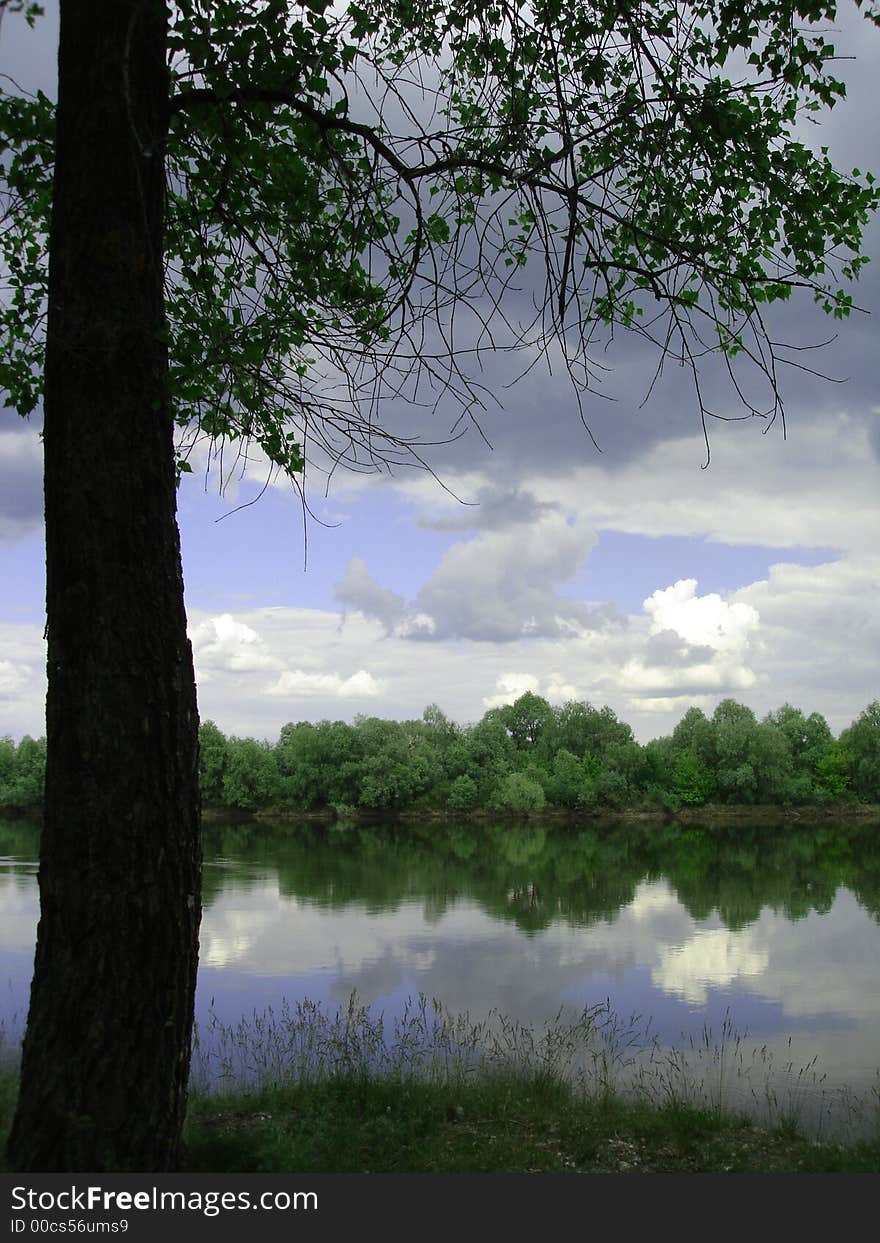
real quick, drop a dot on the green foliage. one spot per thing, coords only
(808, 737)
(27, 153)
(861, 742)
(7, 770)
(487, 754)
(526, 719)
(251, 777)
(391, 766)
(319, 764)
(692, 782)
(22, 772)
(462, 794)
(397, 765)
(695, 732)
(612, 788)
(627, 150)
(517, 792)
(213, 756)
(569, 783)
(628, 759)
(833, 770)
(582, 729)
(770, 756)
(734, 726)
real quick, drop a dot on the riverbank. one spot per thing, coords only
(707, 814)
(502, 1122)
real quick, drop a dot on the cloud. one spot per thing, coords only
(553, 687)
(666, 647)
(668, 704)
(495, 509)
(222, 643)
(21, 483)
(813, 489)
(712, 958)
(502, 585)
(706, 621)
(695, 644)
(558, 691)
(820, 633)
(498, 587)
(722, 676)
(416, 626)
(13, 678)
(509, 687)
(22, 679)
(358, 590)
(295, 682)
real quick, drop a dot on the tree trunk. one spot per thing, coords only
(106, 1052)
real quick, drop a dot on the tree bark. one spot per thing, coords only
(106, 1053)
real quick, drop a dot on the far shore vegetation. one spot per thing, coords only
(527, 757)
(523, 757)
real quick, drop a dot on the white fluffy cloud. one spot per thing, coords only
(294, 682)
(222, 643)
(706, 620)
(498, 623)
(13, 678)
(22, 680)
(636, 678)
(696, 644)
(712, 958)
(552, 686)
(509, 687)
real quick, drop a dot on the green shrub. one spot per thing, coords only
(517, 792)
(462, 794)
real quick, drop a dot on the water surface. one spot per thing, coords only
(753, 951)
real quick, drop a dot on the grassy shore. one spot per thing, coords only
(495, 1123)
(431, 1092)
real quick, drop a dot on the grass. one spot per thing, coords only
(494, 1123)
(440, 1093)
(308, 1092)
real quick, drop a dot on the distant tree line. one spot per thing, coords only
(528, 755)
(522, 757)
(22, 772)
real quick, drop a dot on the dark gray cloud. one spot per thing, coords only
(537, 426)
(667, 649)
(532, 420)
(21, 479)
(358, 590)
(493, 509)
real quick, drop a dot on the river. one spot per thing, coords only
(738, 962)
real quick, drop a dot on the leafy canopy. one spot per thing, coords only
(352, 190)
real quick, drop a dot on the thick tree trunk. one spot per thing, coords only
(106, 1053)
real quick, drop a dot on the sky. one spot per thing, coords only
(634, 576)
